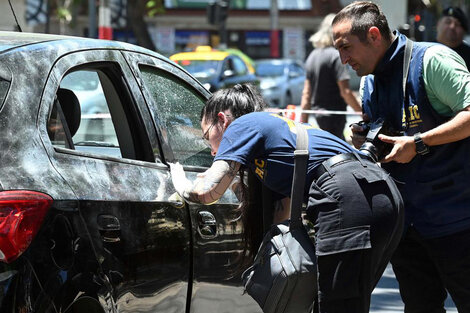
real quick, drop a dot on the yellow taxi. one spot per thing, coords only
(216, 69)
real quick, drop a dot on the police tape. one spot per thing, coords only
(317, 112)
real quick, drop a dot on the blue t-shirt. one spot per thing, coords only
(265, 143)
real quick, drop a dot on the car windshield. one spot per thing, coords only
(200, 68)
(269, 70)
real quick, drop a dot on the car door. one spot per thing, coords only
(108, 153)
(216, 229)
(239, 70)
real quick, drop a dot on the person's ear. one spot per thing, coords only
(224, 120)
(374, 36)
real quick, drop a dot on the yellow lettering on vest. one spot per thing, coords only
(259, 172)
(260, 163)
(416, 112)
(412, 117)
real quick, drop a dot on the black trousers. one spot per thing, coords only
(427, 268)
(332, 123)
(357, 213)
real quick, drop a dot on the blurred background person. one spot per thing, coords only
(451, 28)
(327, 82)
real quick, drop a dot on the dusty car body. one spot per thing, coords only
(89, 219)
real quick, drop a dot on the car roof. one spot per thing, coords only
(21, 40)
(276, 61)
(200, 53)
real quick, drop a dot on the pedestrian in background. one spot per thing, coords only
(430, 161)
(451, 28)
(327, 82)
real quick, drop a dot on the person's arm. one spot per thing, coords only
(447, 83)
(348, 95)
(209, 188)
(306, 98)
(404, 148)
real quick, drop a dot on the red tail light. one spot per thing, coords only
(21, 215)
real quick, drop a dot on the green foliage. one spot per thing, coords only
(155, 7)
(64, 14)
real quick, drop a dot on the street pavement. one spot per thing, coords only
(386, 297)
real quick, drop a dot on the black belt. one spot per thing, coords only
(335, 161)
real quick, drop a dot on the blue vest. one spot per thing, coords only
(436, 186)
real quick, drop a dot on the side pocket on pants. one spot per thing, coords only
(341, 255)
(342, 276)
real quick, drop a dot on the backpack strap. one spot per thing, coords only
(298, 180)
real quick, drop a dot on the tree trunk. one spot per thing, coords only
(137, 11)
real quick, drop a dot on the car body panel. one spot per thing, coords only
(117, 237)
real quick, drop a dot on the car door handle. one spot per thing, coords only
(109, 228)
(207, 225)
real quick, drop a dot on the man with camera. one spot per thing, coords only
(423, 90)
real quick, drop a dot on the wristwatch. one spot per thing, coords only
(421, 147)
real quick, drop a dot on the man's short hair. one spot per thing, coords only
(364, 15)
(457, 13)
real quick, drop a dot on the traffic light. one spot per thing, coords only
(221, 12)
(210, 10)
(217, 12)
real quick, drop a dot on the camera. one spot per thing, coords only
(373, 147)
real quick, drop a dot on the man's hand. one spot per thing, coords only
(357, 138)
(403, 151)
(178, 177)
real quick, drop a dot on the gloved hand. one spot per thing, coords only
(178, 177)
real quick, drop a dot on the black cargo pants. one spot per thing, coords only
(357, 213)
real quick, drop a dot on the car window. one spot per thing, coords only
(239, 66)
(200, 68)
(89, 115)
(267, 69)
(178, 107)
(297, 68)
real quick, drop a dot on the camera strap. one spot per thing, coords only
(406, 62)
(406, 68)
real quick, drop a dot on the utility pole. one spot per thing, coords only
(105, 30)
(217, 15)
(274, 36)
(91, 19)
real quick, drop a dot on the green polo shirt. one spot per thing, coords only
(446, 79)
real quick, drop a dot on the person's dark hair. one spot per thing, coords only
(364, 15)
(240, 99)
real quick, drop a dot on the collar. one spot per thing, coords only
(393, 56)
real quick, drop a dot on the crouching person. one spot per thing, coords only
(354, 205)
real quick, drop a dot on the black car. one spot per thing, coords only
(89, 218)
